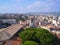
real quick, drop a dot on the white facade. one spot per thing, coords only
(58, 19)
(12, 21)
(39, 23)
(54, 22)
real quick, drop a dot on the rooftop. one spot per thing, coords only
(8, 32)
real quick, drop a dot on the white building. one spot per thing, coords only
(11, 21)
(58, 19)
(39, 23)
(54, 22)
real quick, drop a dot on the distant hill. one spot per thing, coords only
(32, 13)
(45, 13)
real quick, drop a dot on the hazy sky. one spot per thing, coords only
(26, 6)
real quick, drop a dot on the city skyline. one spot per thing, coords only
(26, 6)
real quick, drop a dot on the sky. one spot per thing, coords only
(26, 6)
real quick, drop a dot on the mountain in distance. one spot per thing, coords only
(45, 13)
(34, 13)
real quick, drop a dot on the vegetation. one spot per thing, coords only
(23, 18)
(38, 35)
(30, 43)
(17, 19)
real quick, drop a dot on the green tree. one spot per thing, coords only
(17, 19)
(39, 35)
(30, 43)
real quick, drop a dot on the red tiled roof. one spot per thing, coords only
(14, 42)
